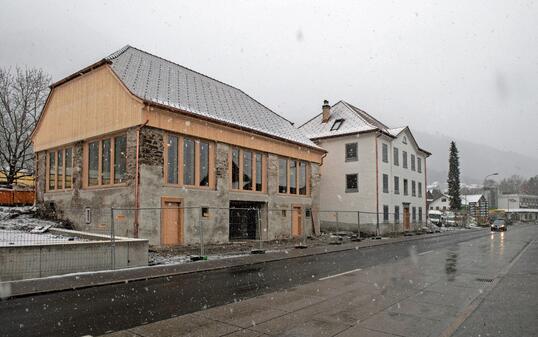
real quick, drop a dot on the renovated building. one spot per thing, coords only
(173, 151)
(369, 168)
(477, 206)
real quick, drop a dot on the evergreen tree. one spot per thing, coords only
(454, 178)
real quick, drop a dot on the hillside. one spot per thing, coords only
(476, 160)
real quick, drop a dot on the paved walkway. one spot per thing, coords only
(426, 294)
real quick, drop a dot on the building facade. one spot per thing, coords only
(369, 168)
(512, 201)
(173, 151)
(477, 206)
(441, 203)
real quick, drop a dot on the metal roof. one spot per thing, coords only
(159, 81)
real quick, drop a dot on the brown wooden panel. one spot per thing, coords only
(91, 105)
(297, 221)
(171, 221)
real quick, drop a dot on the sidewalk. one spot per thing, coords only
(90, 279)
(426, 294)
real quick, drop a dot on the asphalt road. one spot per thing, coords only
(94, 311)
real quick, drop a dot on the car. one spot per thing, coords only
(498, 226)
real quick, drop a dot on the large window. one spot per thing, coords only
(385, 153)
(107, 161)
(282, 175)
(396, 185)
(396, 214)
(352, 183)
(413, 189)
(385, 183)
(292, 176)
(404, 159)
(406, 187)
(247, 170)
(419, 165)
(190, 162)
(396, 156)
(385, 213)
(352, 152)
(420, 190)
(59, 169)
(412, 162)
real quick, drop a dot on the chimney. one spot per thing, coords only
(326, 108)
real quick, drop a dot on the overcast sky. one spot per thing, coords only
(468, 69)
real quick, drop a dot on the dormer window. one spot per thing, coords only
(337, 124)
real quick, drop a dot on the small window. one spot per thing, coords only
(419, 165)
(284, 212)
(385, 153)
(404, 140)
(414, 214)
(205, 212)
(413, 188)
(396, 214)
(420, 190)
(443, 200)
(396, 156)
(420, 214)
(404, 158)
(406, 189)
(412, 162)
(337, 124)
(396, 185)
(385, 183)
(352, 182)
(351, 152)
(386, 213)
(308, 212)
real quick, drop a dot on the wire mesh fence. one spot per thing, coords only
(95, 237)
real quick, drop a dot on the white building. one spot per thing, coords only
(512, 201)
(441, 203)
(371, 168)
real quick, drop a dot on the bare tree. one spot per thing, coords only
(22, 96)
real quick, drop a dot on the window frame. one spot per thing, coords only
(396, 156)
(413, 188)
(297, 177)
(56, 168)
(386, 213)
(385, 179)
(419, 189)
(406, 187)
(413, 166)
(197, 162)
(396, 185)
(253, 170)
(404, 159)
(352, 159)
(86, 158)
(351, 190)
(335, 126)
(419, 164)
(385, 152)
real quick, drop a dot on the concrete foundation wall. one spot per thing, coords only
(34, 261)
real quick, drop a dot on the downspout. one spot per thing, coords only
(377, 183)
(426, 189)
(137, 180)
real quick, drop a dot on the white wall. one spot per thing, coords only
(439, 204)
(335, 168)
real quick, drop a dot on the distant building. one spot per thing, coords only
(477, 205)
(441, 203)
(512, 201)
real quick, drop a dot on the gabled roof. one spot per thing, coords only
(355, 121)
(466, 199)
(164, 83)
(443, 195)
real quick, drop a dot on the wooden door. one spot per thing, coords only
(297, 221)
(172, 223)
(406, 218)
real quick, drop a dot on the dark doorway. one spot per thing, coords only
(244, 220)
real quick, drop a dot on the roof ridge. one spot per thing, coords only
(126, 47)
(368, 115)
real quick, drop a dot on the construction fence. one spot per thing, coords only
(112, 238)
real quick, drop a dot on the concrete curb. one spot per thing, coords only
(100, 278)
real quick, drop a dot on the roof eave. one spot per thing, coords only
(80, 72)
